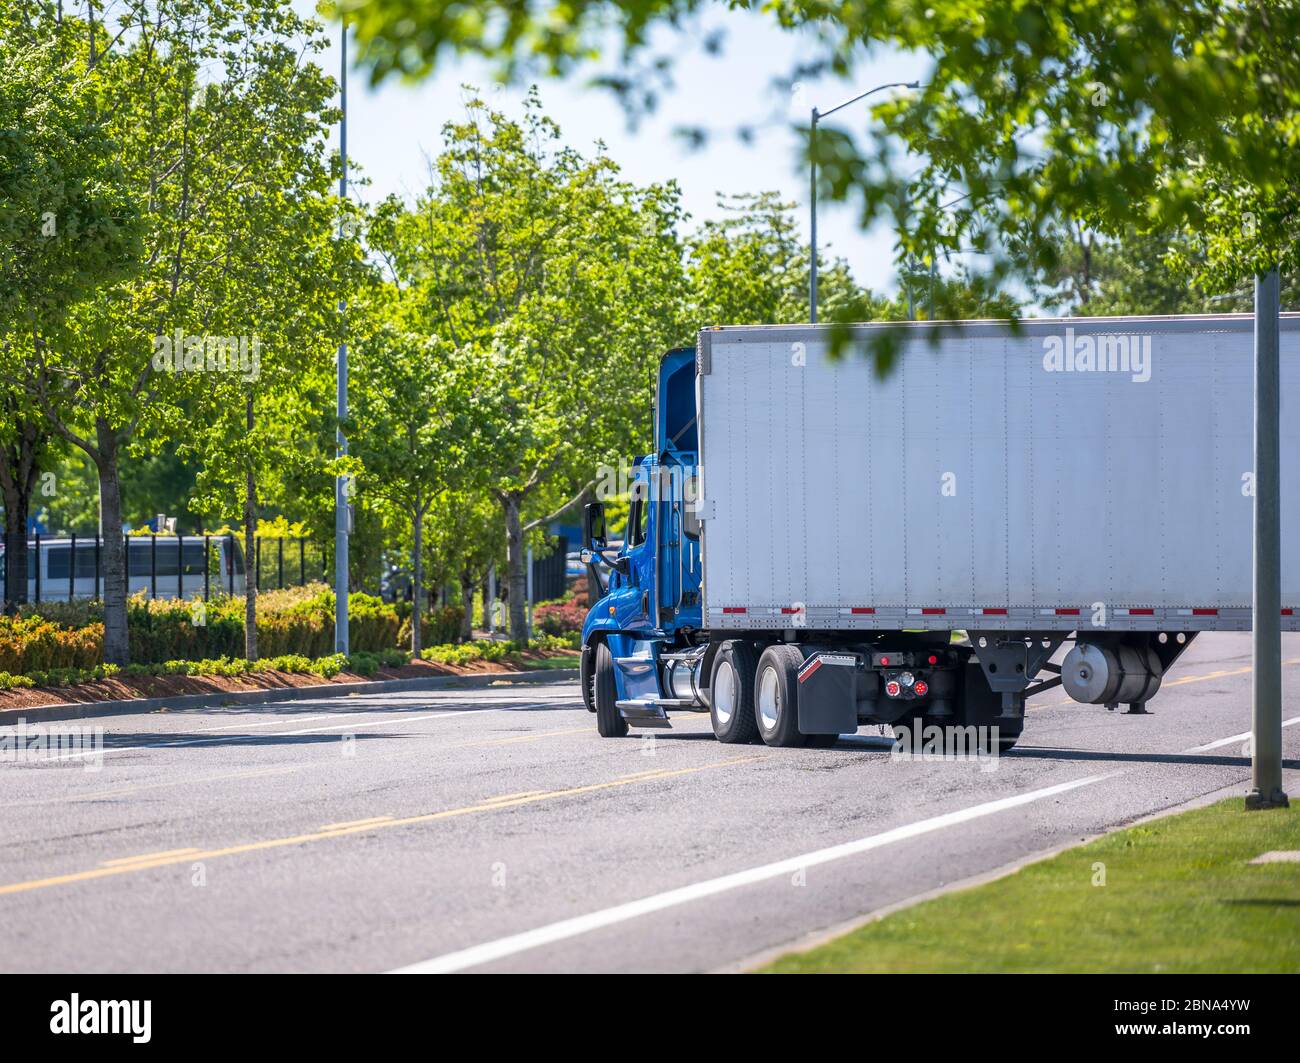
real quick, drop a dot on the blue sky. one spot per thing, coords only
(394, 129)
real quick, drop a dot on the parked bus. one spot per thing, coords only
(163, 566)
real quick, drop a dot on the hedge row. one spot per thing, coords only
(294, 622)
(365, 664)
(34, 644)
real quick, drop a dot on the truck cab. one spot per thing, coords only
(646, 622)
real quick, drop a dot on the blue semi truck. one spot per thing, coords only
(811, 548)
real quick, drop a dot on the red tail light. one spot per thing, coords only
(921, 688)
(892, 688)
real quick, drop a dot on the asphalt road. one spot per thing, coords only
(494, 830)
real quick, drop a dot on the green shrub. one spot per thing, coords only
(439, 627)
(460, 654)
(10, 682)
(67, 677)
(32, 643)
(569, 640)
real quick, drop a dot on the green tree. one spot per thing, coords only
(411, 422)
(465, 542)
(1139, 273)
(221, 123)
(66, 226)
(556, 284)
(750, 267)
(1169, 116)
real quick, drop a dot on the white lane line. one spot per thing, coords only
(368, 721)
(1220, 743)
(490, 701)
(568, 696)
(235, 739)
(583, 924)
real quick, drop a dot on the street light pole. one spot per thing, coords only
(1266, 622)
(812, 148)
(341, 500)
(812, 236)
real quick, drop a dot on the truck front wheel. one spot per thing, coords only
(731, 693)
(609, 721)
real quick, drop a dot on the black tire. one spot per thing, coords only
(776, 696)
(731, 693)
(609, 721)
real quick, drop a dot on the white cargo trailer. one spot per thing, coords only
(914, 548)
(998, 480)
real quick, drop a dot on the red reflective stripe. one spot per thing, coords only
(786, 611)
(994, 612)
(1288, 612)
(1067, 612)
(1141, 612)
(733, 609)
(1205, 612)
(933, 612)
(862, 610)
(809, 669)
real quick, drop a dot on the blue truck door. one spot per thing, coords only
(668, 539)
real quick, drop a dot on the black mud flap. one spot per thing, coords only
(585, 664)
(828, 694)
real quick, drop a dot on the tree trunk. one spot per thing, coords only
(467, 604)
(18, 470)
(116, 644)
(15, 575)
(487, 607)
(417, 572)
(250, 549)
(516, 578)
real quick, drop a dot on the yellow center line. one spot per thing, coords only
(356, 823)
(491, 805)
(290, 768)
(147, 857)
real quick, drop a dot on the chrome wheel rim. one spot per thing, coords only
(769, 699)
(724, 692)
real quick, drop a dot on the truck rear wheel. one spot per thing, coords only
(776, 692)
(731, 693)
(609, 721)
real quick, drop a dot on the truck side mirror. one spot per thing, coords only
(593, 526)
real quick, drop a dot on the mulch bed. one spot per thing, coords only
(123, 689)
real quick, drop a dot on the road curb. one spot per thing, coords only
(134, 706)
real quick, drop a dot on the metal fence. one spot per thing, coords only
(65, 568)
(549, 579)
